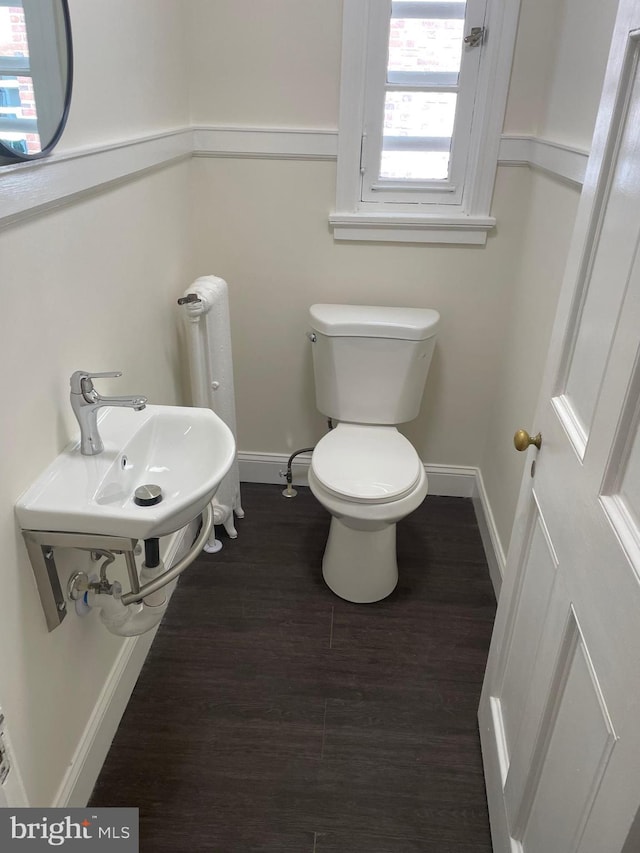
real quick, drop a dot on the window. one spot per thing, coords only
(424, 85)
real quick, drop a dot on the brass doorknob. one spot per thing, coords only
(522, 440)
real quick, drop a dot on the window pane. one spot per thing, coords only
(18, 121)
(13, 31)
(18, 124)
(415, 165)
(417, 135)
(419, 113)
(425, 45)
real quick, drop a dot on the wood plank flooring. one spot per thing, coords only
(273, 717)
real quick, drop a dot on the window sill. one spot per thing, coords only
(395, 228)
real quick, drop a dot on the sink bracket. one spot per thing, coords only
(40, 546)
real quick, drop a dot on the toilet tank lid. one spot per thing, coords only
(373, 321)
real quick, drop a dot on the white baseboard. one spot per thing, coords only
(267, 468)
(93, 746)
(445, 480)
(452, 481)
(96, 739)
(456, 481)
(489, 533)
(271, 468)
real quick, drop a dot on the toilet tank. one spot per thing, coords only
(370, 363)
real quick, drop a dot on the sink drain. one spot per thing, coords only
(147, 495)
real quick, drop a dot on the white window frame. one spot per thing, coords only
(444, 192)
(463, 217)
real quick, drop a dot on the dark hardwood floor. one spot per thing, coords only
(273, 717)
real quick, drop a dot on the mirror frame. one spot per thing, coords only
(10, 154)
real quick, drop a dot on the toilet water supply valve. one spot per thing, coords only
(99, 591)
(290, 492)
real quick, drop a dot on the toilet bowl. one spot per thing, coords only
(370, 365)
(368, 478)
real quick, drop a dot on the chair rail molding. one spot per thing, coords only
(562, 161)
(31, 188)
(265, 143)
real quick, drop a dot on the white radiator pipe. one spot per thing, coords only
(211, 368)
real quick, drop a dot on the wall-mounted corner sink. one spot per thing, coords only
(185, 451)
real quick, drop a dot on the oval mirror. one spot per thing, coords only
(35, 76)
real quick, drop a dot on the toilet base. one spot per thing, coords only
(360, 565)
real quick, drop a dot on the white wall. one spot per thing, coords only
(528, 317)
(532, 66)
(275, 67)
(130, 79)
(558, 68)
(91, 285)
(582, 48)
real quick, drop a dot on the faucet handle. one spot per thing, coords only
(80, 377)
(109, 374)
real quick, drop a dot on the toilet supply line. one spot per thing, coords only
(290, 492)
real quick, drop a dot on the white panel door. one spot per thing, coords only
(560, 707)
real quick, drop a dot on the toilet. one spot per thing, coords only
(370, 365)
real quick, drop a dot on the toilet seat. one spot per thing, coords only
(366, 464)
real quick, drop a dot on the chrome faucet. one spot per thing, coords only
(85, 402)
